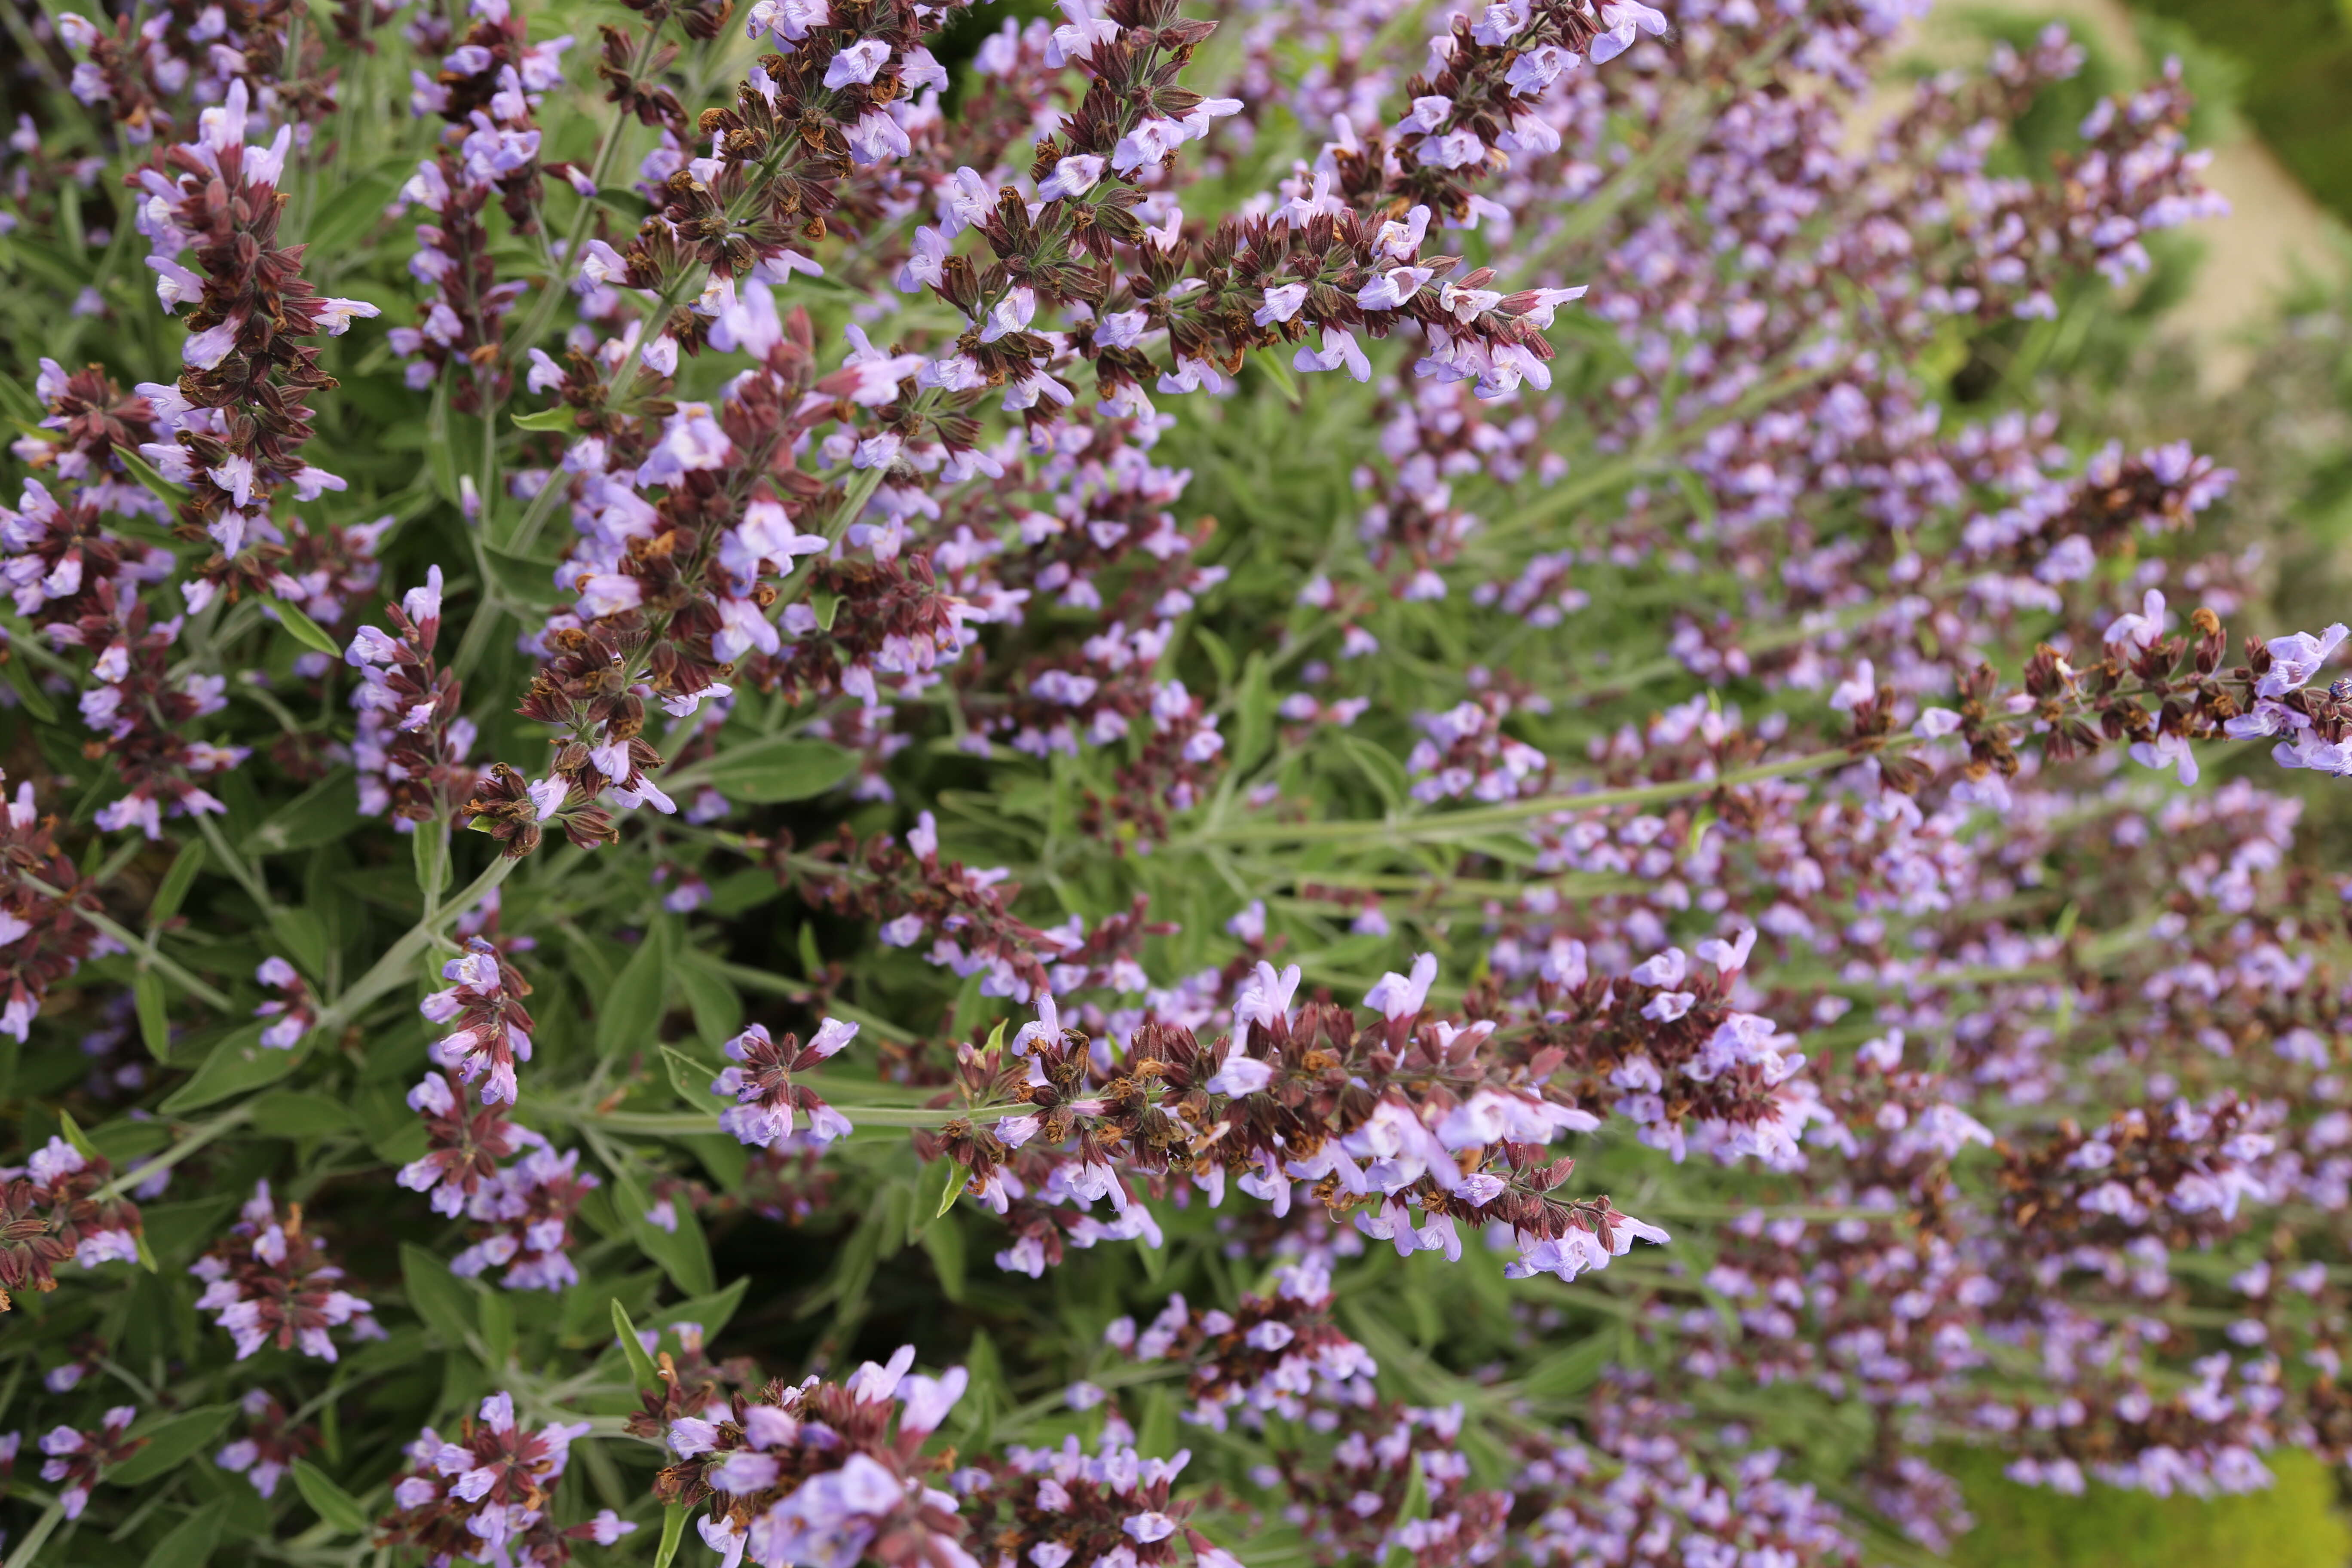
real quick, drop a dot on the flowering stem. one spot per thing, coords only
(248, 875)
(36, 1537)
(543, 308)
(131, 1179)
(663, 1124)
(784, 986)
(389, 970)
(148, 953)
(1439, 829)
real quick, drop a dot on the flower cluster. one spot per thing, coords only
(766, 1099)
(1794, 777)
(522, 1216)
(1058, 1506)
(1414, 1112)
(484, 1497)
(412, 733)
(271, 1444)
(217, 197)
(59, 1204)
(493, 1029)
(487, 91)
(43, 936)
(827, 1472)
(77, 1459)
(1268, 1356)
(268, 1282)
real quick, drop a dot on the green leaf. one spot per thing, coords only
(951, 1186)
(1220, 652)
(125, 1142)
(713, 1311)
(392, 1129)
(525, 579)
(726, 1160)
(181, 1230)
(307, 632)
(1379, 767)
(690, 1078)
(428, 849)
(140, 468)
(563, 416)
(337, 1508)
(1279, 374)
(437, 1294)
(632, 1007)
(673, 1531)
(73, 1134)
(1156, 1433)
(825, 605)
(37, 701)
(441, 455)
(173, 890)
(643, 1373)
(238, 1065)
(1255, 705)
(303, 935)
(625, 204)
(717, 1006)
(327, 810)
(1415, 1506)
(290, 1113)
(20, 404)
(683, 1254)
(169, 1441)
(496, 1312)
(944, 1242)
(192, 1541)
(349, 214)
(778, 770)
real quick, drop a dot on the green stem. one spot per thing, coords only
(248, 875)
(390, 970)
(131, 1179)
(674, 1124)
(36, 1537)
(1438, 829)
(146, 950)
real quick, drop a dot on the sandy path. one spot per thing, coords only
(2274, 233)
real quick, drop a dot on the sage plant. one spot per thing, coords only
(1358, 757)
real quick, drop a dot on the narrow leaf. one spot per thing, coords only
(154, 1014)
(147, 474)
(337, 1508)
(435, 1295)
(173, 890)
(307, 632)
(690, 1078)
(632, 1007)
(29, 687)
(238, 1065)
(778, 770)
(169, 1441)
(673, 1531)
(642, 1373)
(192, 1541)
(951, 1186)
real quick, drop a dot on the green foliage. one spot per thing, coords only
(2297, 59)
(2297, 1524)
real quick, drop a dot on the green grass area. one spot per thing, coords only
(2297, 91)
(2296, 1524)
